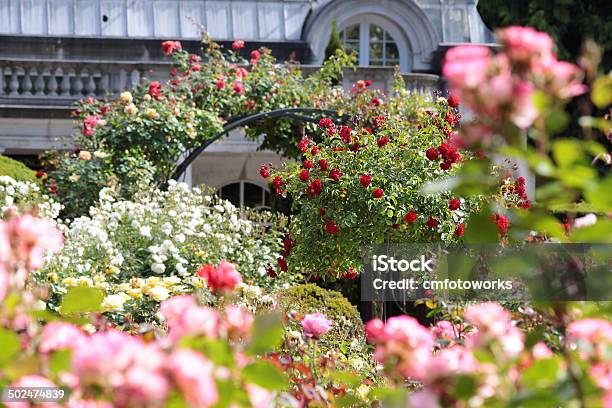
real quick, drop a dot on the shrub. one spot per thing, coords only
(140, 252)
(16, 170)
(25, 196)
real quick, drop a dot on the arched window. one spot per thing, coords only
(374, 45)
(246, 194)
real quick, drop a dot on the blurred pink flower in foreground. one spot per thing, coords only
(193, 375)
(224, 277)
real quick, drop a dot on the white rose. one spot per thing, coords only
(158, 268)
(145, 232)
(158, 293)
(113, 302)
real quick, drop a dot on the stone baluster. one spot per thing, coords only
(134, 79)
(105, 84)
(39, 84)
(52, 84)
(96, 76)
(14, 83)
(26, 82)
(77, 86)
(65, 84)
(2, 81)
(90, 85)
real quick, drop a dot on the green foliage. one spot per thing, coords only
(16, 170)
(334, 43)
(569, 22)
(310, 298)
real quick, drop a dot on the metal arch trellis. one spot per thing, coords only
(300, 114)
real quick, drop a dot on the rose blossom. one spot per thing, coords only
(590, 329)
(494, 324)
(185, 317)
(59, 335)
(316, 325)
(238, 44)
(193, 375)
(170, 47)
(31, 238)
(238, 322)
(224, 277)
(525, 44)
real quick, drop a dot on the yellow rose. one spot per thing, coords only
(147, 97)
(52, 276)
(112, 270)
(131, 109)
(99, 154)
(70, 281)
(125, 97)
(84, 155)
(151, 113)
(135, 293)
(85, 281)
(190, 132)
(158, 293)
(113, 302)
(74, 178)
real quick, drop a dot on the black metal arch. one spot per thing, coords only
(299, 114)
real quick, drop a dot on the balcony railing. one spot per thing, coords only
(59, 83)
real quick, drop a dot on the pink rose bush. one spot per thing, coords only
(500, 88)
(316, 325)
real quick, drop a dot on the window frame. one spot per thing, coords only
(364, 22)
(241, 196)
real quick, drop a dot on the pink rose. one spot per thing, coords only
(32, 237)
(238, 322)
(193, 375)
(170, 47)
(224, 277)
(449, 362)
(316, 325)
(238, 44)
(238, 87)
(525, 44)
(590, 329)
(59, 335)
(185, 317)
(466, 65)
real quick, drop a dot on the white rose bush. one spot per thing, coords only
(144, 251)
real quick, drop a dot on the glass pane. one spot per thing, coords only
(376, 33)
(352, 32)
(252, 195)
(391, 51)
(390, 63)
(376, 51)
(351, 46)
(231, 192)
(377, 63)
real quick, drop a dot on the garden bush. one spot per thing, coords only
(143, 251)
(26, 196)
(16, 170)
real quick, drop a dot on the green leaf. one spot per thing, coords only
(601, 93)
(481, 229)
(267, 334)
(542, 373)
(601, 195)
(556, 121)
(10, 346)
(346, 378)
(566, 151)
(465, 386)
(82, 299)
(266, 376)
(60, 361)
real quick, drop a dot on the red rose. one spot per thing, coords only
(382, 141)
(238, 87)
(378, 192)
(322, 211)
(454, 204)
(377, 101)
(271, 272)
(365, 180)
(241, 72)
(278, 182)
(502, 223)
(335, 174)
(453, 101)
(303, 145)
(460, 230)
(220, 83)
(411, 216)
(288, 245)
(323, 165)
(282, 264)
(356, 146)
(155, 89)
(238, 44)
(345, 134)
(40, 174)
(308, 164)
(331, 227)
(304, 176)
(194, 58)
(255, 55)
(432, 154)
(223, 278)
(445, 165)
(170, 47)
(325, 123)
(314, 188)
(350, 274)
(264, 171)
(368, 82)
(314, 151)
(432, 222)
